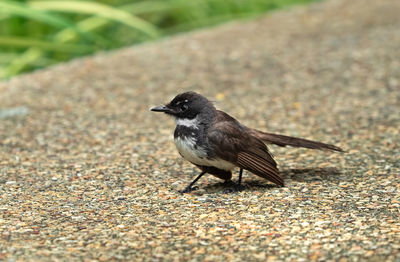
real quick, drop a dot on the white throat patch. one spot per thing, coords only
(193, 123)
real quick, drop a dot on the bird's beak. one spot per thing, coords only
(161, 109)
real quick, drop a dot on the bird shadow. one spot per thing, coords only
(311, 174)
(296, 174)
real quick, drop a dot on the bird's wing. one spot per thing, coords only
(231, 142)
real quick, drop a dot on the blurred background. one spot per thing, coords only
(38, 33)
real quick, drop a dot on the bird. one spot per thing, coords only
(217, 143)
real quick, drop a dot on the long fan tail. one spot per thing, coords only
(282, 140)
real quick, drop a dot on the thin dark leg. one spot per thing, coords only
(189, 187)
(240, 177)
(236, 187)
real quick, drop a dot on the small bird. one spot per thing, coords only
(216, 143)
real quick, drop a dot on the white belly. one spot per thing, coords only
(198, 156)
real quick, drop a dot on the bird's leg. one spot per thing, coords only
(189, 188)
(240, 177)
(237, 187)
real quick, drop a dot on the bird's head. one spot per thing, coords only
(185, 105)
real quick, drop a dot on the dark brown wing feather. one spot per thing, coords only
(232, 142)
(260, 167)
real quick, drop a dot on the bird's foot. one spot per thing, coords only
(228, 183)
(188, 189)
(233, 187)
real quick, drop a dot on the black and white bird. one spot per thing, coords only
(217, 143)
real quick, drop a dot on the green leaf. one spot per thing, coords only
(92, 8)
(50, 46)
(12, 8)
(20, 63)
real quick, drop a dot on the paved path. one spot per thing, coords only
(87, 172)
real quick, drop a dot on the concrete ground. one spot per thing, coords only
(88, 173)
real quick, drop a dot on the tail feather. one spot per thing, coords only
(282, 140)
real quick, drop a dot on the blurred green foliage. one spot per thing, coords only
(38, 33)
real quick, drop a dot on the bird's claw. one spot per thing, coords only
(188, 189)
(234, 189)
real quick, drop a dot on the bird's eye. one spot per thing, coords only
(184, 107)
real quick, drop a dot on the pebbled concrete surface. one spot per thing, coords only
(88, 173)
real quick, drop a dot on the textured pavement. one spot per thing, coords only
(88, 173)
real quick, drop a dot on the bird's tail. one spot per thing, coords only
(282, 140)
